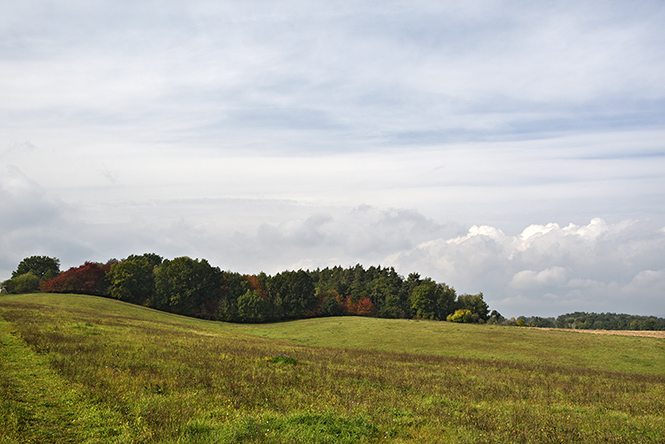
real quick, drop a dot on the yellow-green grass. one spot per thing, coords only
(86, 369)
(488, 342)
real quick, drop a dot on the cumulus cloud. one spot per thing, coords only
(345, 236)
(548, 268)
(529, 279)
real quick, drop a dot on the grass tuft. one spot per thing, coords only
(281, 359)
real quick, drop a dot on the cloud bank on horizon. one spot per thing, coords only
(513, 148)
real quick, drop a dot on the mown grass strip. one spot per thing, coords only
(37, 405)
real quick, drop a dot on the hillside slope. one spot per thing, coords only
(85, 369)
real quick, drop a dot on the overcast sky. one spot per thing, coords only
(515, 148)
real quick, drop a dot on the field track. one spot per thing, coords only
(644, 333)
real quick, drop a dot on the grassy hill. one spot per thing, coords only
(85, 369)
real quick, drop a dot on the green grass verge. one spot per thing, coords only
(86, 369)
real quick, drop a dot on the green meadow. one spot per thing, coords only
(84, 369)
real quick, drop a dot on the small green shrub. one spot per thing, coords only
(23, 283)
(281, 359)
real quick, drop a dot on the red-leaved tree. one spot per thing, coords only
(362, 307)
(89, 278)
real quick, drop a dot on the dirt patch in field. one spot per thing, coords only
(644, 333)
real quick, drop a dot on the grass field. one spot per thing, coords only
(86, 369)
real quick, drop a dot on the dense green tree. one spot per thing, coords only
(331, 302)
(378, 289)
(43, 267)
(23, 283)
(132, 280)
(475, 303)
(385, 291)
(648, 324)
(608, 321)
(295, 290)
(26, 283)
(359, 278)
(183, 285)
(392, 307)
(423, 300)
(233, 286)
(251, 307)
(430, 300)
(410, 284)
(342, 280)
(446, 300)
(272, 306)
(537, 321)
(152, 258)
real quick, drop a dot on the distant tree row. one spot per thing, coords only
(594, 321)
(193, 287)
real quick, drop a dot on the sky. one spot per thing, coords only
(513, 148)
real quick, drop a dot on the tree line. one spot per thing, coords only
(594, 321)
(193, 287)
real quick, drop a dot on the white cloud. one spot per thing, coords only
(529, 279)
(308, 232)
(594, 267)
